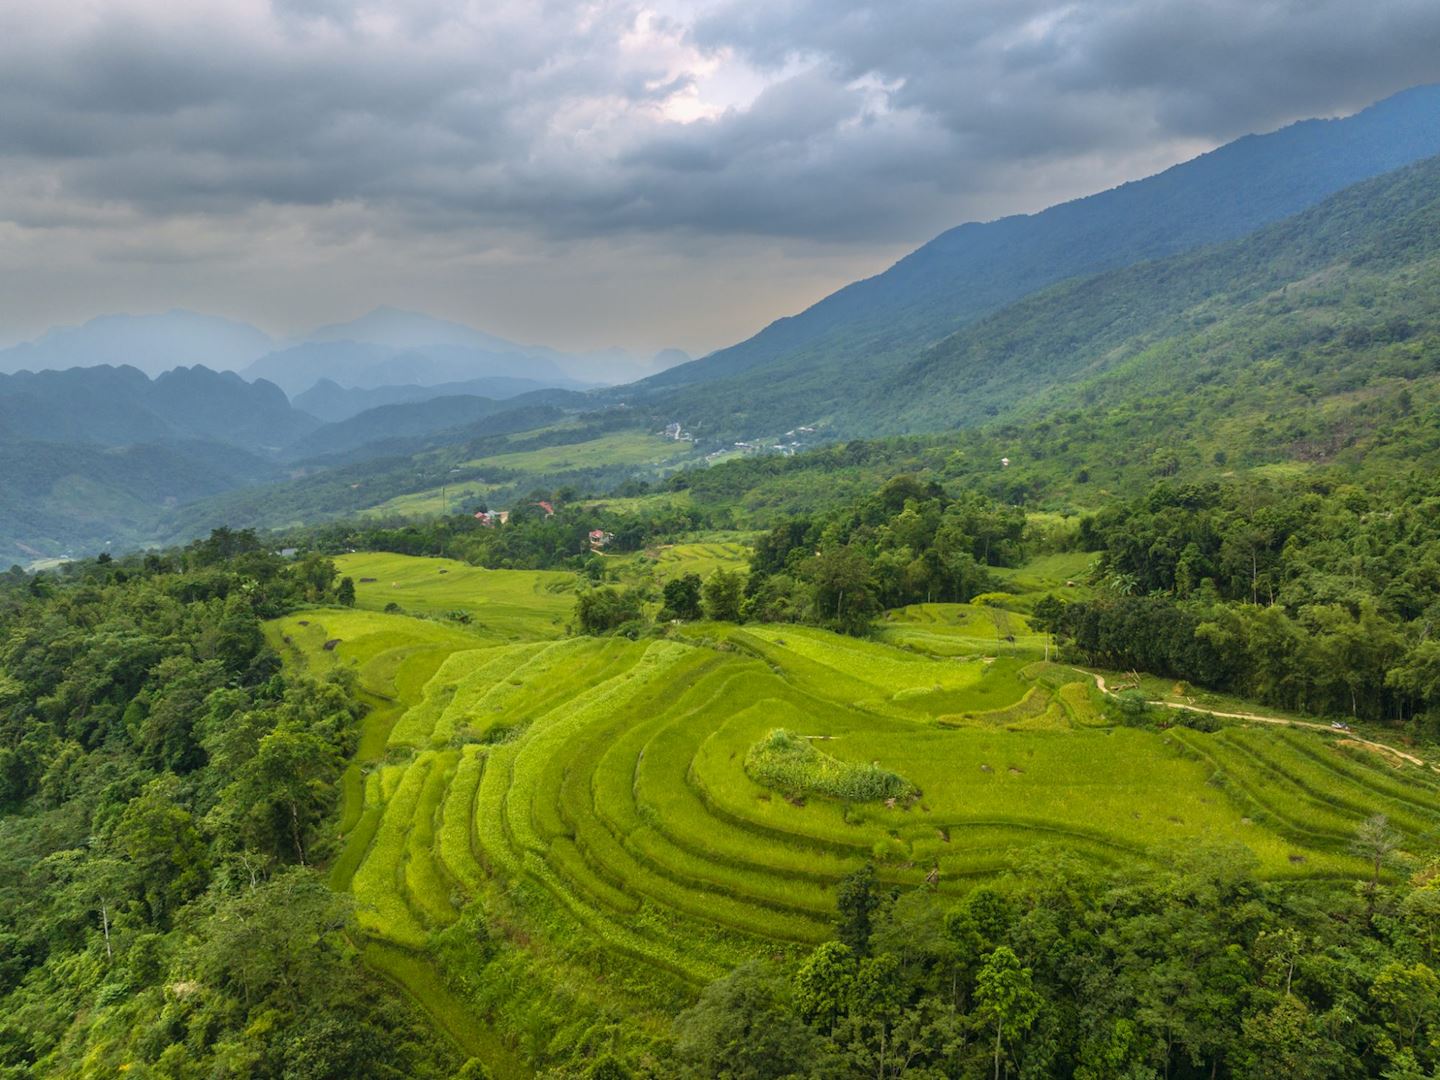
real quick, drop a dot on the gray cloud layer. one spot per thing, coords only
(244, 138)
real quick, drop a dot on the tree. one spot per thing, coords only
(315, 573)
(1409, 1000)
(824, 985)
(1285, 1041)
(844, 590)
(857, 900)
(91, 883)
(1005, 999)
(345, 594)
(281, 940)
(1376, 843)
(283, 791)
(603, 610)
(682, 597)
(159, 839)
(740, 1029)
(723, 592)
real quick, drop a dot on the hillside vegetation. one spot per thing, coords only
(804, 368)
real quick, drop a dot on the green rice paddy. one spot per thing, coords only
(632, 449)
(591, 797)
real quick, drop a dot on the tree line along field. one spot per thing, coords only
(539, 828)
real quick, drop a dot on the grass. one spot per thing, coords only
(633, 448)
(634, 818)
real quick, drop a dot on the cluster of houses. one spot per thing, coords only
(490, 518)
(674, 430)
(789, 443)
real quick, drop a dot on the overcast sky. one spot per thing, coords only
(588, 174)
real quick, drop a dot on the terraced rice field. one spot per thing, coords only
(589, 797)
(662, 564)
(961, 629)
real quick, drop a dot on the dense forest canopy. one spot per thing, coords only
(164, 787)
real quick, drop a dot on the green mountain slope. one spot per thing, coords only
(401, 428)
(1311, 346)
(799, 369)
(1322, 296)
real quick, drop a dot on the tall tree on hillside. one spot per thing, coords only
(1005, 999)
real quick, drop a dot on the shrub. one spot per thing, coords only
(789, 763)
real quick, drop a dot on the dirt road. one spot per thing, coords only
(1411, 758)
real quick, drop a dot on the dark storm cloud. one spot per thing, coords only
(418, 133)
(876, 117)
(1019, 76)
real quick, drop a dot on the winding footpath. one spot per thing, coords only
(1384, 747)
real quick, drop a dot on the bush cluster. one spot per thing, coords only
(790, 763)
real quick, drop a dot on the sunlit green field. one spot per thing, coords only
(511, 604)
(590, 795)
(622, 448)
(632, 449)
(961, 630)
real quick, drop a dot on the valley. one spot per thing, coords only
(601, 790)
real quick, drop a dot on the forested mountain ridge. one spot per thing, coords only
(116, 406)
(977, 269)
(93, 456)
(1328, 288)
(56, 498)
(1312, 341)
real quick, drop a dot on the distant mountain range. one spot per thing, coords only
(385, 348)
(381, 426)
(362, 365)
(151, 343)
(331, 402)
(100, 454)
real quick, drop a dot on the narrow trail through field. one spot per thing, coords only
(1385, 747)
